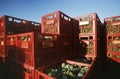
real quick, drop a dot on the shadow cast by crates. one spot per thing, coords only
(112, 69)
(15, 60)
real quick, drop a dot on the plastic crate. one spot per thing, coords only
(41, 74)
(57, 23)
(112, 25)
(90, 30)
(89, 24)
(35, 49)
(13, 25)
(112, 19)
(113, 48)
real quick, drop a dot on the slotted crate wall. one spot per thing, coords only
(113, 37)
(33, 48)
(75, 36)
(65, 47)
(57, 23)
(12, 25)
(89, 34)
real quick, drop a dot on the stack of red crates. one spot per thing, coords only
(113, 37)
(55, 23)
(10, 51)
(62, 25)
(30, 51)
(10, 25)
(89, 35)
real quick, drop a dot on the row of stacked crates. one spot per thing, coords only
(112, 25)
(64, 26)
(60, 36)
(12, 25)
(70, 47)
(32, 50)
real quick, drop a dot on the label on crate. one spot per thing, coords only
(24, 45)
(116, 42)
(84, 23)
(2, 43)
(50, 22)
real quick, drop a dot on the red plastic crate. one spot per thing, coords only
(90, 29)
(40, 73)
(10, 25)
(13, 25)
(89, 24)
(113, 47)
(112, 25)
(36, 49)
(113, 19)
(57, 23)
